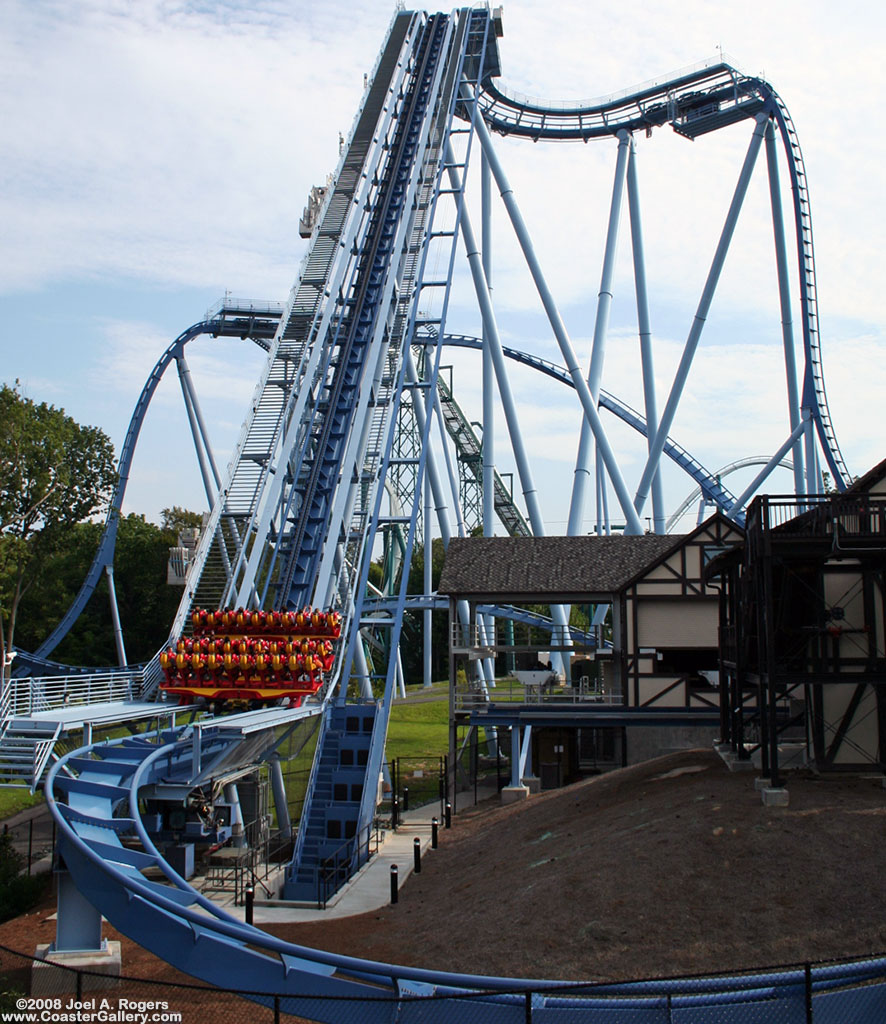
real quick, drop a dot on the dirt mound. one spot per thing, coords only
(673, 866)
(669, 867)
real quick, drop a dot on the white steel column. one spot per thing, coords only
(428, 614)
(598, 349)
(490, 327)
(559, 329)
(704, 305)
(488, 442)
(784, 293)
(645, 331)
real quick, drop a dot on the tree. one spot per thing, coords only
(54, 473)
(176, 519)
(146, 602)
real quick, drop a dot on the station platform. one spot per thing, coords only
(72, 717)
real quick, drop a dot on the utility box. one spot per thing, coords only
(181, 859)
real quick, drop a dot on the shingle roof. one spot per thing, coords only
(537, 568)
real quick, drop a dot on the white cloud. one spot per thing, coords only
(170, 145)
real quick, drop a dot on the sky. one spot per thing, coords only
(157, 155)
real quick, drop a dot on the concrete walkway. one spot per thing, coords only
(370, 888)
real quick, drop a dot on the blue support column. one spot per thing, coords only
(115, 616)
(427, 614)
(488, 370)
(645, 331)
(598, 349)
(784, 293)
(493, 340)
(281, 804)
(515, 756)
(184, 380)
(704, 305)
(559, 329)
(78, 926)
(488, 446)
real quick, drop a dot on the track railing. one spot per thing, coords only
(468, 698)
(187, 930)
(30, 695)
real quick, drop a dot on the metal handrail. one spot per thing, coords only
(345, 859)
(514, 692)
(569, 106)
(30, 694)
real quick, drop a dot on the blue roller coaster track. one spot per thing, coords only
(296, 517)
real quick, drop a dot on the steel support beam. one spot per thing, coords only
(704, 305)
(563, 340)
(645, 330)
(598, 349)
(784, 294)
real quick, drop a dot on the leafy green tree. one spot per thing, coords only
(175, 519)
(146, 602)
(54, 473)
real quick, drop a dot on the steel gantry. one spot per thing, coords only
(344, 453)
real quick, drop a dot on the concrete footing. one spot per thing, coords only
(50, 978)
(513, 794)
(775, 797)
(533, 783)
(736, 764)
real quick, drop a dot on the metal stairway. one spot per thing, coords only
(470, 454)
(333, 418)
(25, 750)
(329, 828)
(221, 559)
(341, 799)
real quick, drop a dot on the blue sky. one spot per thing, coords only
(157, 154)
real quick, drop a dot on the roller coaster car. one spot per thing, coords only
(251, 658)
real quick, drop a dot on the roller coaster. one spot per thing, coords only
(338, 458)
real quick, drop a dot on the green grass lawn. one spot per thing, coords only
(14, 800)
(419, 729)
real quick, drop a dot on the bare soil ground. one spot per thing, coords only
(670, 867)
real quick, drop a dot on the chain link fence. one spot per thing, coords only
(833, 993)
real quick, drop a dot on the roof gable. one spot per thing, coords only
(547, 568)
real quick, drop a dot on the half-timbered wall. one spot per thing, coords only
(671, 624)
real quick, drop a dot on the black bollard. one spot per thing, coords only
(395, 888)
(416, 853)
(250, 903)
(406, 798)
(447, 818)
(395, 814)
(435, 827)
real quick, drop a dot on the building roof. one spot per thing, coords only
(869, 480)
(544, 569)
